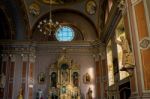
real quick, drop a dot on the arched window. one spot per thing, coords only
(65, 33)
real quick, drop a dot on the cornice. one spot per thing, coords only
(24, 47)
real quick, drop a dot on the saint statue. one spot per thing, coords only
(65, 76)
(89, 94)
(2, 80)
(53, 79)
(75, 79)
(127, 58)
(20, 96)
(39, 94)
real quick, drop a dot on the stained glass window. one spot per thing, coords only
(65, 33)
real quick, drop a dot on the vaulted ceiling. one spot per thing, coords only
(23, 15)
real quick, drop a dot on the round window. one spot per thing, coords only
(65, 33)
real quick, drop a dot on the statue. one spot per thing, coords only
(39, 94)
(75, 79)
(53, 79)
(65, 74)
(127, 58)
(20, 96)
(2, 80)
(89, 94)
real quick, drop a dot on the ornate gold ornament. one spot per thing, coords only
(128, 57)
(122, 6)
(91, 7)
(64, 79)
(34, 9)
(48, 26)
(20, 96)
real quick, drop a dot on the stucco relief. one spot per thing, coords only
(34, 9)
(91, 7)
(145, 43)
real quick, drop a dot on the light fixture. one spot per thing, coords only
(47, 26)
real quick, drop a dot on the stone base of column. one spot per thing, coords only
(144, 96)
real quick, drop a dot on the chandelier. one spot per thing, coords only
(48, 26)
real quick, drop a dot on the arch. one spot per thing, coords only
(5, 26)
(88, 29)
(16, 9)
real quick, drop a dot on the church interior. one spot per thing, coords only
(74, 49)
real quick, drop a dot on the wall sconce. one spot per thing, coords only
(30, 85)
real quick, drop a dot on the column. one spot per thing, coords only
(98, 76)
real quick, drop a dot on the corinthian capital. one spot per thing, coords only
(122, 6)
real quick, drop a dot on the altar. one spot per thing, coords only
(64, 79)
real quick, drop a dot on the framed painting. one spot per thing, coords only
(41, 78)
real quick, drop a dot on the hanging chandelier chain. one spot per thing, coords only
(50, 10)
(47, 26)
(50, 17)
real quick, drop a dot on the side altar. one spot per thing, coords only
(64, 79)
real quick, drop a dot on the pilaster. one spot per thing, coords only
(140, 35)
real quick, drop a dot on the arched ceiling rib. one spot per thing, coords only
(83, 23)
(17, 11)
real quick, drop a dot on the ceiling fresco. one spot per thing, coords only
(26, 13)
(58, 2)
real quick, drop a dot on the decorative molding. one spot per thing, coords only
(122, 6)
(135, 1)
(91, 7)
(34, 9)
(145, 43)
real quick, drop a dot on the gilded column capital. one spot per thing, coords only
(98, 49)
(122, 6)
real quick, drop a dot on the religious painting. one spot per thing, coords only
(41, 78)
(110, 63)
(86, 78)
(65, 73)
(53, 79)
(91, 7)
(75, 79)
